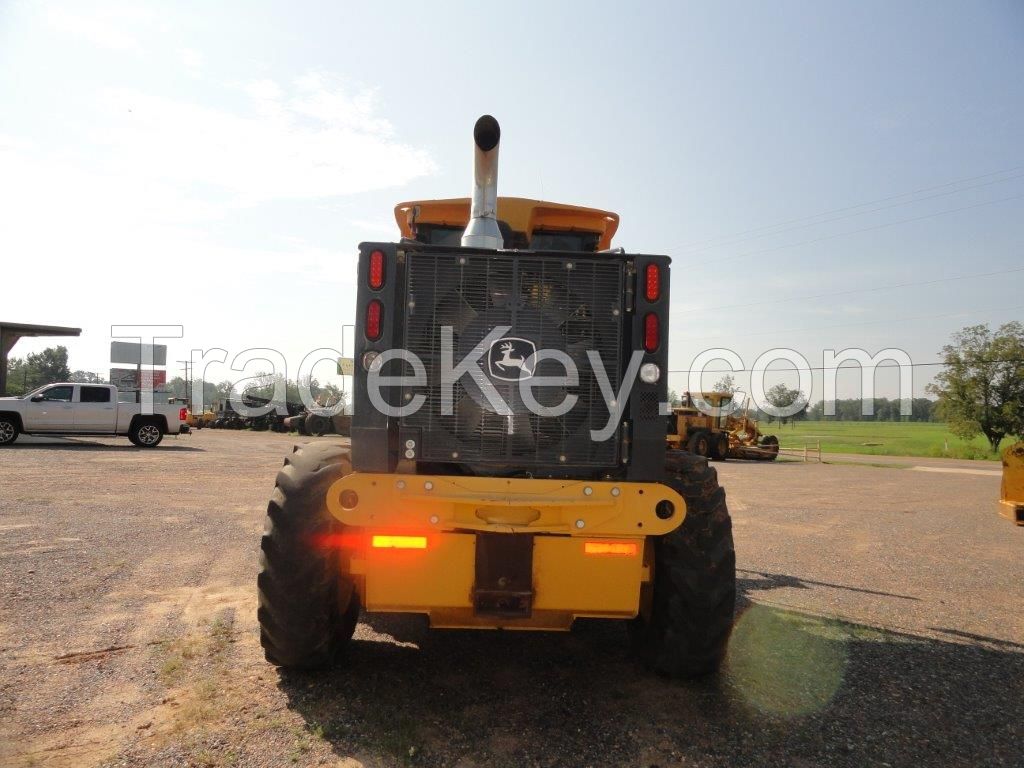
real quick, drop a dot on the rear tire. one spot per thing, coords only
(700, 444)
(687, 613)
(308, 609)
(317, 425)
(771, 443)
(720, 447)
(8, 430)
(145, 434)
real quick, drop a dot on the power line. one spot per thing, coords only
(851, 207)
(851, 215)
(837, 368)
(848, 325)
(858, 231)
(853, 290)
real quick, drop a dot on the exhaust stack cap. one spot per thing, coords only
(482, 230)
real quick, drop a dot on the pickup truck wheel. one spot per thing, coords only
(687, 610)
(308, 607)
(145, 434)
(8, 430)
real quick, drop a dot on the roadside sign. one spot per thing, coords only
(128, 353)
(123, 378)
(127, 379)
(346, 366)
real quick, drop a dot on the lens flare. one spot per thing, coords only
(786, 663)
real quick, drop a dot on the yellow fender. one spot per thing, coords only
(1011, 497)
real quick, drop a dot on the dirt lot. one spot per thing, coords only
(881, 625)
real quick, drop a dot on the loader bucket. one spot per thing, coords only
(1011, 498)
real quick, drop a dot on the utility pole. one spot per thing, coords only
(188, 388)
(343, 354)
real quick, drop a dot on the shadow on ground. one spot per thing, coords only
(755, 581)
(81, 445)
(797, 689)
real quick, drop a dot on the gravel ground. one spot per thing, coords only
(880, 624)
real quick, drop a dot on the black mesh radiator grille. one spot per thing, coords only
(565, 304)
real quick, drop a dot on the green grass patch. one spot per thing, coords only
(883, 438)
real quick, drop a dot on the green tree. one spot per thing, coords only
(86, 377)
(781, 400)
(36, 369)
(981, 389)
(213, 395)
(50, 365)
(725, 384)
(330, 395)
(17, 377)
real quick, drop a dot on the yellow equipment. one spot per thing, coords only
(535, 224)
(508, 467)
(746, 441)
(1011, 497)
(590, 555)
(704, 434)
(717, 435)
(200, 420)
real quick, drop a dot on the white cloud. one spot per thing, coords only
(318, 139)
(95, 27)
(14, 143)
(192, 60)
(113, 218)
(379, 228)
(266, 94)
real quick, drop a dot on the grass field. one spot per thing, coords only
(882, 439)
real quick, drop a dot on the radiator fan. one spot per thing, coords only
(546, 312)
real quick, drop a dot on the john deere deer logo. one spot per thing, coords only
(509, 359)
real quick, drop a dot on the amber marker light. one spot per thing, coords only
(398, 542)
(628, 549)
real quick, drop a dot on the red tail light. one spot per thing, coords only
(182, 414)
(652, 332)
(376, 275)
(374, 316)
(652, 282)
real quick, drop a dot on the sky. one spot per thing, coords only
(824, 175)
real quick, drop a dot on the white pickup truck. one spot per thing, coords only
(87, 409)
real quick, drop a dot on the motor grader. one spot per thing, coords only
(700, 426)
(746, 441)
(508, 467)
(705, 425)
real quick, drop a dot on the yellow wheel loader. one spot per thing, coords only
(1011, 496)
(508, 466)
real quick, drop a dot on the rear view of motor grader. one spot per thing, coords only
(508, 466)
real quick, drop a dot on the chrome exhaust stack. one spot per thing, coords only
(482, 230)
